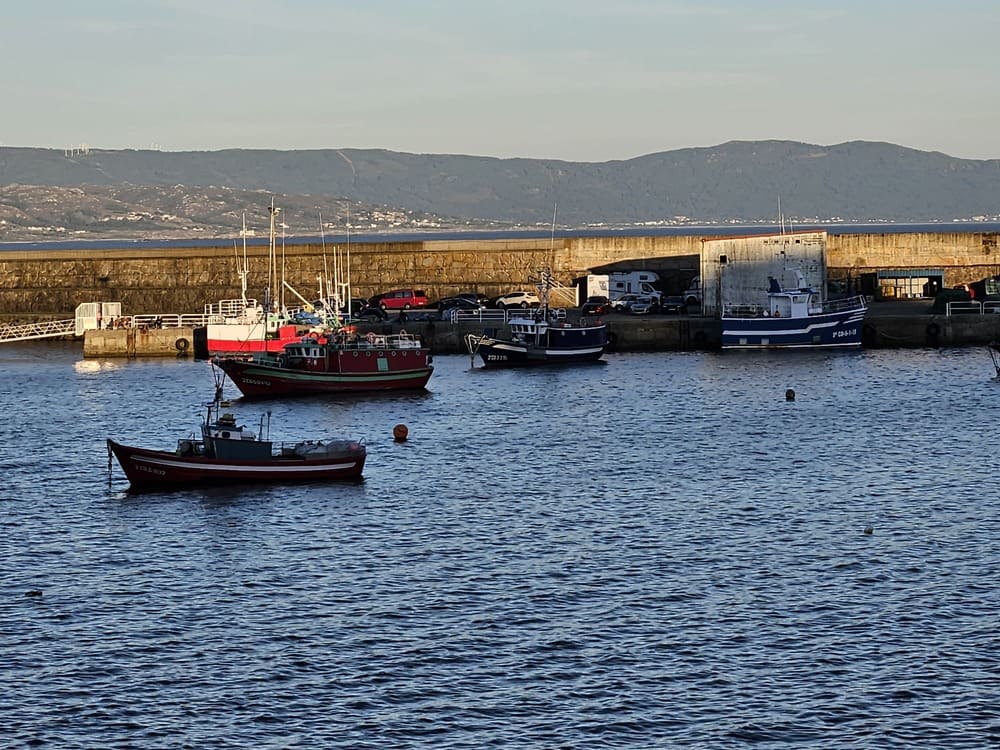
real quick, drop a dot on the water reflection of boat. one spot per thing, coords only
(793, 318)
(228, 452)
(340, 363)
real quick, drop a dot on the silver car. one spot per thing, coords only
(644, 306)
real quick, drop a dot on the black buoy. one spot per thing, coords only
(789, 395)
(400, 433)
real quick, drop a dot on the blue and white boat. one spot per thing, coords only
(794, 319)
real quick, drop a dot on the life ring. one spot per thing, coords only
(370, 338)
(181, 344)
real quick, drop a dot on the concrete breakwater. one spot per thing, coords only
(49, 284)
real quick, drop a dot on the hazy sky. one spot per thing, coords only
(581, 80)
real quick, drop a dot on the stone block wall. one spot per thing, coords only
(51, 283)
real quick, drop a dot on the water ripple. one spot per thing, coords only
(659, 552)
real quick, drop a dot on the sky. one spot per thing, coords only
(578, 80)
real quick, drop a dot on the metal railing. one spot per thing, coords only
(43, 330)
(972, 307)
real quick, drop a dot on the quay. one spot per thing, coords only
(887, 325)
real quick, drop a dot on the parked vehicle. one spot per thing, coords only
(399, 299)
(673, 306)
(359, 309)
(477, 297)
(447, 305)
(692, 295)
(517, 299)
(644, 305)
(614, 285)
(597, 305)
(623, 303)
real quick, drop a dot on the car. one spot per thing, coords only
(643, 306)
(399, 299)
(358, 309)
(673, 306)
(596, 306)
(477, 297)
(449, 304)
(623, 303)
(523, 300)
(371, 313)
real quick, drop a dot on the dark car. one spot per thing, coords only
(457, 303)
(480, 299)
(596, 306)
(450, 305)
(361, 310)
(673, 306)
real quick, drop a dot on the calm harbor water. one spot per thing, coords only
(660, 551)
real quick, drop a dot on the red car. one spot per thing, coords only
(399, 299)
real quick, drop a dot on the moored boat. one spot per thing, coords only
(243, 326)
(540, 339)
(541, 336)
(340, 362)
(230, 453)
(794, 319)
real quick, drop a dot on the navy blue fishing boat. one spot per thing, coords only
(794, 319)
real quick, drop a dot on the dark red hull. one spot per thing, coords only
(149, 468)
(336, 371)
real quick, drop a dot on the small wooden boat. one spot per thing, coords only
(228, 452)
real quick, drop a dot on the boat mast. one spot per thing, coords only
(545, 283)
(272, 270)
(347, 274)
(243, 268)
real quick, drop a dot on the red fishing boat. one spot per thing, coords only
(342, 362)
(229, 453)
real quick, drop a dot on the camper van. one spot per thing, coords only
(614, 285)
(692, 295)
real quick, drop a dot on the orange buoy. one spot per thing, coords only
(399, 432)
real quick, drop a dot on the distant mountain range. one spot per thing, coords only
(48, 194)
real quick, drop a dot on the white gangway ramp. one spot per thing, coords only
(89, 315)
